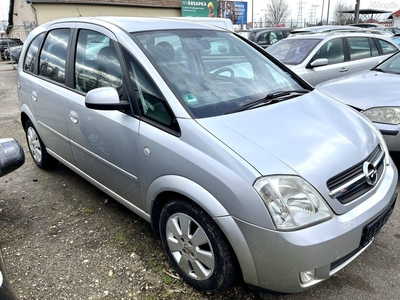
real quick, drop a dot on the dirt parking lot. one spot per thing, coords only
(62, 238)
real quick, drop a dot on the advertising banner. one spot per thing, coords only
(234, 10)
(196, 8)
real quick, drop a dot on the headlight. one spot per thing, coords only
(292, 202)
(386, 115)
(377, 131)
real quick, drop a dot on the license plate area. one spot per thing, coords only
(371, 230)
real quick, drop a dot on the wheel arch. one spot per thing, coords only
(165, 188)
(27, 115)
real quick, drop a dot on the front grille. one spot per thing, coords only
(352, 183)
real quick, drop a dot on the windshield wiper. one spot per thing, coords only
(269, 99)
(378, 70)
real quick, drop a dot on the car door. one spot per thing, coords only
(104, 142)
(45, 87)
(333, 51)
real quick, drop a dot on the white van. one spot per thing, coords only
(218, 22)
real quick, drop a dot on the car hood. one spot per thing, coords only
(312, 136)
(361, 89)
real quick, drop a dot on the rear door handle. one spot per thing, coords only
(343, 70)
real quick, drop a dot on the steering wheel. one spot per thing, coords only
(224, 69)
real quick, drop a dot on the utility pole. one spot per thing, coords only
(322, 12)
(327, 15)
(357, 11)
(300, 14)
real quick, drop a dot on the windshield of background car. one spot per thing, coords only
(392, 65)
(293, 51)
(212, 72)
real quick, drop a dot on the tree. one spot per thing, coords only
(277, 12)
(343, 18)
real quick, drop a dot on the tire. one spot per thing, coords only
(196, 246)
(37, 148)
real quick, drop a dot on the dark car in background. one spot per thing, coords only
(267, 36)
(12, 53)
(6, 43)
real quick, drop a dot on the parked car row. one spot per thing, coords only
(241, 166)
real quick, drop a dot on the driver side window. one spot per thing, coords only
(97, 63)
(151, 102)
(333, 50)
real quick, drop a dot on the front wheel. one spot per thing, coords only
(37, 148)
(196, 247)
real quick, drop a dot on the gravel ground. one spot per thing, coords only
(62, 238)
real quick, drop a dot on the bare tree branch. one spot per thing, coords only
(341, 18)
(277, 12)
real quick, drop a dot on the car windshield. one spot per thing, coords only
(293, 51)
(392, 65)
(213, 72)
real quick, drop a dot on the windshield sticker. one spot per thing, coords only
(190, 99)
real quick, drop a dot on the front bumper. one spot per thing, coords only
(280, 257)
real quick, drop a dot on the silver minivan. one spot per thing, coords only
(241, 167)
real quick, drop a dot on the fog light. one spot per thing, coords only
(307, 276)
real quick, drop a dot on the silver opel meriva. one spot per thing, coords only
(242, 168)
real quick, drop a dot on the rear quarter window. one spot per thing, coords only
(387, 47)
(32, 53)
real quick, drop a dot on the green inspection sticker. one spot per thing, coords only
(190, 99)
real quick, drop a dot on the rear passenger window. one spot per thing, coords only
(387, 47)
(361, 47)
(97, 64)
(32, 54)
(54, 55)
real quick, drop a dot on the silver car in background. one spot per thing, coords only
(318, 57)
(375, 93)
(241, 167)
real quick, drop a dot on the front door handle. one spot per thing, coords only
(34, 96)
(73, 116)
(343, 70)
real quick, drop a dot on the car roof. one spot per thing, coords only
(332, 34)
(324, 28)
(259, 29)
(136, 24)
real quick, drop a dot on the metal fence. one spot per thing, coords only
(19, 31)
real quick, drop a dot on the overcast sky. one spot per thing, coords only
(4, 9)
(307, 5)
(392, 5)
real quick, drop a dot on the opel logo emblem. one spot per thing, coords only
(370, 173)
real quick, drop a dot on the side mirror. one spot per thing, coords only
(11, 156)
(105, 98)
(319, 62)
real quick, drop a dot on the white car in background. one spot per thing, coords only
(376, 94)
